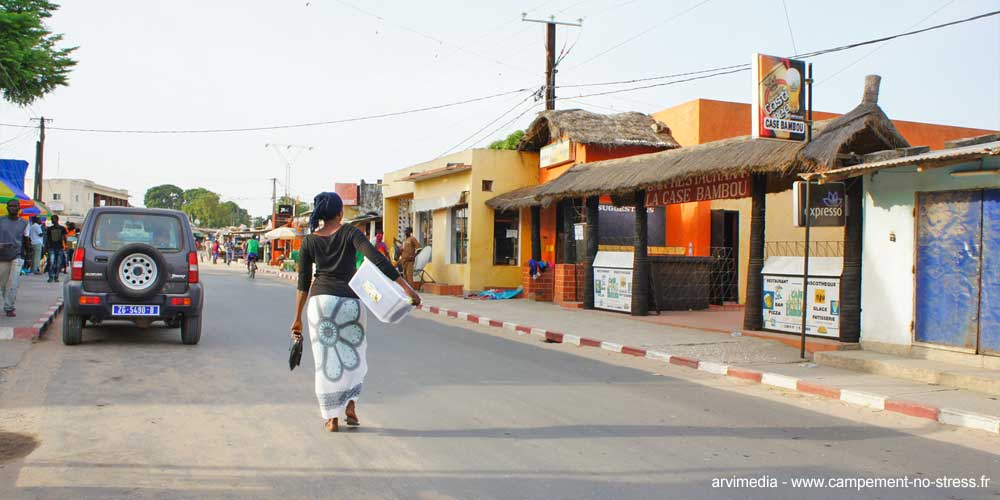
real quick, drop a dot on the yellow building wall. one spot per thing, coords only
(440, 268)
(508, 170)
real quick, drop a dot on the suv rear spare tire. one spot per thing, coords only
(137, 271)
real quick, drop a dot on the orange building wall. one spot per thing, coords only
(705, 120)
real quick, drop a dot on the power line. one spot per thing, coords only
(876, 49)
(799, 56)
(788, 21)
(279, 127)
(643, 32)
(484, 127)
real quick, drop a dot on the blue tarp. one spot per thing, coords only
(497, 294)
(12, 173)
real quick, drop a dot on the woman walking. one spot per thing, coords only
(337, 321)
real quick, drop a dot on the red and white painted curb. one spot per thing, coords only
(34, 331)
(950, 416)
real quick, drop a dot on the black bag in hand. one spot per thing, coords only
(295, 353)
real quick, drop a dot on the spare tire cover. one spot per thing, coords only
(137, 271)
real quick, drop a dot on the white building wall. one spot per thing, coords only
(75, 195)
(887, 279)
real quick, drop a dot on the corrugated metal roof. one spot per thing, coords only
(949, 156)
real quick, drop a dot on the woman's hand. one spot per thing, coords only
(297, 329)
(414, 298)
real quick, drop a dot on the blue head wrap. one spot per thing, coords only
(326, 205)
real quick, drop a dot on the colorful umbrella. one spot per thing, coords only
(10, 192)
(36, 209)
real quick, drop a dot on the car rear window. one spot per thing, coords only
(115, 230)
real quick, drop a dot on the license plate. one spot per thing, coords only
(123, 310)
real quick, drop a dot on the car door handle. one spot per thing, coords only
(101, 259)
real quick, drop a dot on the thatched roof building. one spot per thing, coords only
(864, 129)
(584, 127)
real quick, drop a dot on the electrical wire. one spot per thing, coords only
(798, 56)
(788, 21)
(279, 127)
(643, 32)
(498, 118)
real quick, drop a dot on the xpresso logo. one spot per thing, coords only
(833, 206)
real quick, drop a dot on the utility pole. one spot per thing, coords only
(294, 151)
(39, 156)
(274, 200)
(550, 54)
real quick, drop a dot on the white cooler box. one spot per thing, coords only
(382, 296)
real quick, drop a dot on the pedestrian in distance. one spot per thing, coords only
(215, 251)
(55, 246)
(71, 237)
(409, 254)
(37, 242)
(337, 319)
(228, 246)
(13, 231)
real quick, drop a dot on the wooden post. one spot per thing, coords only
(752, 313)
(593, 241)
(640, 263)
(850, 281)
(536, 233)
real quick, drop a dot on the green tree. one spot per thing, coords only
(164, 196)
(510, 142)
(202, 204)
(300, 207)
(232, 214)
(259, 221)
(31, 64)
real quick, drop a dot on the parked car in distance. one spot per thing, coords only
(134, 264)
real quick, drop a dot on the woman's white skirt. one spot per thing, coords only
(337, 334)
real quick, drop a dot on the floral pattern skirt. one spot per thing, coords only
(337, 335)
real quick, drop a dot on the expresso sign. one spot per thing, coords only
(827, 204)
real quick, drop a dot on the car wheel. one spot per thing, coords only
(137, 271)
(72, 329)
(191, 330)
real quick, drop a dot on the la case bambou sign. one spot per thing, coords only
(700, 188)
(778, 98)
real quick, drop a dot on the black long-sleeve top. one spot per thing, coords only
(335, 258)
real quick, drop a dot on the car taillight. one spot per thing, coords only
(77, 267)
(90, 300)
(192, 267)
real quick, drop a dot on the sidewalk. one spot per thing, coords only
(37, 303)
(759, 360)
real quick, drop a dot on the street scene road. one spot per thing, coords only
(448, 411)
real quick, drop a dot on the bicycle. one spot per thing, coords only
(252, 267)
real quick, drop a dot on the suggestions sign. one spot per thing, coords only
(778, 98)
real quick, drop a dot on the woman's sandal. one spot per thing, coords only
(331, 425)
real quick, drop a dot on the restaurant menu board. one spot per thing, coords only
(613, 289)
(778, 109)
(783, 305)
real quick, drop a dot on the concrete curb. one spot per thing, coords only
(949, 416)
(34, 331)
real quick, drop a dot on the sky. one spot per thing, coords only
(193, 65)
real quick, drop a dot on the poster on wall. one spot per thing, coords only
(613, 289)
(782, 305)
(618, 225)
(778, 110)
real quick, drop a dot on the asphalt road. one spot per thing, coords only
(449, 411)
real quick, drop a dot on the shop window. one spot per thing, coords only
(487, 186)
(425, 228)
(505, 237)
(460, 234)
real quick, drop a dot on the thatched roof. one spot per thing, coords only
(864, 129)
(584, 127)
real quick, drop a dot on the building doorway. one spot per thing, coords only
(725, 248)
(958, 270)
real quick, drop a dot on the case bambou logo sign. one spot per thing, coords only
(778, 98)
